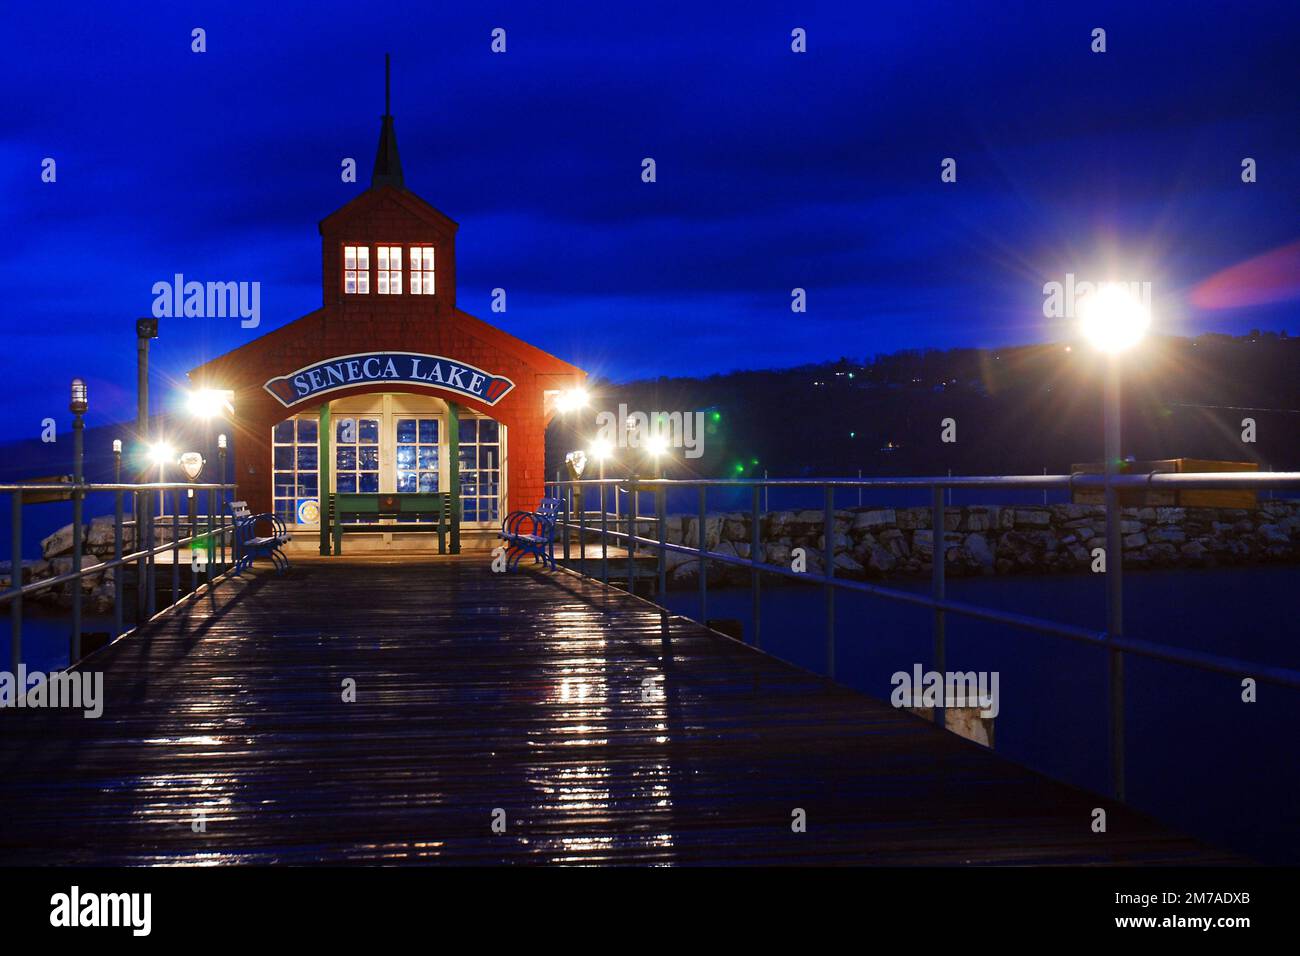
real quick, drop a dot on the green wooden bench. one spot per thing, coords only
(433, 511)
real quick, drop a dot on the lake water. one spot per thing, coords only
(1199, 758)
(47, 635)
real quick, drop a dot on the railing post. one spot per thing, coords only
(16, 582)
(176, 537)
(604, 537)
(701, 541)
(151, 593)
(78, 508)
(582, 534)
(828, 554)
(938, 560)
(209, 540)
(117, 556)
(568, 506)
(660, 505)
(137, 544)
(755, 582)
(1114, 575)
(631, 533)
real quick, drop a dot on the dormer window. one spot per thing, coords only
(356, 270)
(422, 270)
(389, 280)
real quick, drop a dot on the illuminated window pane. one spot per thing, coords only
(296, 478)
(422, 270)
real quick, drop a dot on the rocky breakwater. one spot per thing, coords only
(884, 542)
(56, 559)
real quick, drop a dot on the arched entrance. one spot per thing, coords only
(384, 443)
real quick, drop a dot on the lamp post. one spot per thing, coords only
(600, 450)
(117, 538)
(1114, 321)
(161, 453)
(78, 405)
(221, 457)
(207, 404)
(145, 330)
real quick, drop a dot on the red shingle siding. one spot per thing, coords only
(348, 324)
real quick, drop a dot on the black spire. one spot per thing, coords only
(388, 166)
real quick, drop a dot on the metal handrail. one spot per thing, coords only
(218, 530)
(1116, 644)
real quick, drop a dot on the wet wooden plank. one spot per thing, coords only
(607, 732)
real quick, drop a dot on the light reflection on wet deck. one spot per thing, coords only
(607, 731)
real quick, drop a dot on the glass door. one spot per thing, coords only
(418, 457)
(356, 454)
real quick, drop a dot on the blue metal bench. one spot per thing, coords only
(531, 532)
(249, 546)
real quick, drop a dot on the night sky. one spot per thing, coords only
(775, 170)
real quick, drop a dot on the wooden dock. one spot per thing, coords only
(602, 729)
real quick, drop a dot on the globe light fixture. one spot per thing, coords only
(79, 402)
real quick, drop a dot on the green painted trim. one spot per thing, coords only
(323, 477)
(453, 473)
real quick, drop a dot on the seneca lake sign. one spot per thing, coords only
(384, 368)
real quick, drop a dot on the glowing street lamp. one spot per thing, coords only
(572, 399)
(1113, 320)
(600, 450)
(210, 402)
(657, 447)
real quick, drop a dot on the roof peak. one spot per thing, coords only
(388, 165)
